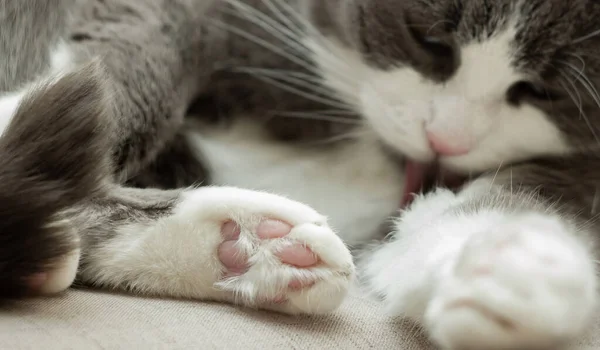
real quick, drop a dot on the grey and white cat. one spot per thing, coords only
(502, 92)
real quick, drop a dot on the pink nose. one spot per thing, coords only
(445, 146)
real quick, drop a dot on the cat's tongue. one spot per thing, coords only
(415, 174)
(421, 177)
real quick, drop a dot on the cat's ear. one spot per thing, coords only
(53, 154)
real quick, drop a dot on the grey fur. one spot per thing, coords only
(30, 28)
(52, 158)
(160, 56)
(553, 44)
(556, 39)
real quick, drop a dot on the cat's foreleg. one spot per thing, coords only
(157, 58)
(214, 243)
(488, 268)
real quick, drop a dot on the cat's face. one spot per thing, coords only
(474, 83)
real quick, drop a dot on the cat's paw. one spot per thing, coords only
(526, 284)
(55, 274)
(58, 279)
(296, 269)
(277, 254)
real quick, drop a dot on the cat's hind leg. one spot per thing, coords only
(52, 155)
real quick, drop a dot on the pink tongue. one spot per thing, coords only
(415, 175)
(451, 180)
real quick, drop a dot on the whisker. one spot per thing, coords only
(345, 136)
(273, 7)
(511, 181)
(578, 57)
(289, 29)
(582, 78)
(576, 97)
(595, 202)
(279, 73)
(587, 83)
(310, 29)
(300, 76)
(586, 37)
(294, 90)
(301, 54)
(337, 112)
(316, 116)
(299, 60)
(297, 79)
(279, 30)
(495, 176)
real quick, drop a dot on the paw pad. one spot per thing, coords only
(237, 263)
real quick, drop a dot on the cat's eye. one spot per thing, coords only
(431, 49)
(527, 90)
(436, 46)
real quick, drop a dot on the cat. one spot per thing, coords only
(485, 89)
(503, 88)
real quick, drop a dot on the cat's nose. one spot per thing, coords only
(447, 146)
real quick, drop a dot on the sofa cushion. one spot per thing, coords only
(82, 319)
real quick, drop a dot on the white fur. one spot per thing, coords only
(177, 256)
(418, 272)
(441, 268)
(65, 269)
(9, 104)
(468, 111)
(61, 59)
(62, 276)
(356, 185)
(488, 280)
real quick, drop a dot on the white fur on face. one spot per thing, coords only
(468, 111)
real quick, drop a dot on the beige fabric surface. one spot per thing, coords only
(90, 320)
(94, 320)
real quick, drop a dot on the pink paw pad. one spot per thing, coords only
(35, 282)
(236, 262)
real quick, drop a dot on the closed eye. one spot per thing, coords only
(433, 45)
(529, 91)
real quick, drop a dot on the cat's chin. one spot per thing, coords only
(421, 177)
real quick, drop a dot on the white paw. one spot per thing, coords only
(61, 277)
(59, 273)
(527, 283)
(275, 253)
(9, 104)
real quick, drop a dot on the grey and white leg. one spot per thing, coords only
(218, 243)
